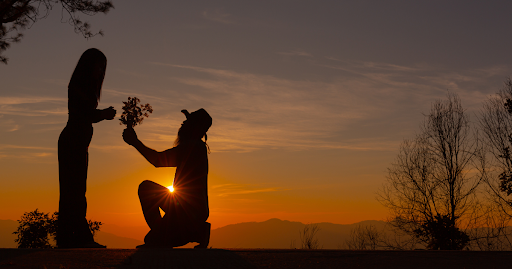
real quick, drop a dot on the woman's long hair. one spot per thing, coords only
(89, 73)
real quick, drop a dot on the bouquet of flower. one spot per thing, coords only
(134, 114)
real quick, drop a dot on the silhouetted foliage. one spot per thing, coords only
(17, 15)
(442, 234)
(437, 174)
(134, 114)
(308, 237)
(36, 229)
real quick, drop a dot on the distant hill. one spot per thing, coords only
(7, 227)
(136, 232)
(114, 241)
(273, 233)
(276, 233)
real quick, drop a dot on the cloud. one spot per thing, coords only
(18, 100)
(362, 106)
(254, 111)
(42, 154)
(26, 152)
(32, 106)
(225, 190)
(31, 112)
(374, 65)
(124, 93)
(110, 148)
(296, 52)
(8, 125)
(7, 146)
(14, 128)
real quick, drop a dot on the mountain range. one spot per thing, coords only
(273, 233)
(282, 234)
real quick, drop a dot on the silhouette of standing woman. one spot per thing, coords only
(186, 208)
(84, 92)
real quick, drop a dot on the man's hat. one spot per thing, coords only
(200, 118)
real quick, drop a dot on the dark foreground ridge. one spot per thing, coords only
(248, 258)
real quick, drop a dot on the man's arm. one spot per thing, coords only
(158, 159)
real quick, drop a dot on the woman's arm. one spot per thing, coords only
(158, 159)
(103, 114)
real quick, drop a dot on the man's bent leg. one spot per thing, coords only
(153, 196)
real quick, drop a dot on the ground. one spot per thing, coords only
(248, 258)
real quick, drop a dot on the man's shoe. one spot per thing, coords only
(204, 236)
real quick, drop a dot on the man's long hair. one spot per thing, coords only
(189, 131)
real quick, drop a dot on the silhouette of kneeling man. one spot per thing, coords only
(186, 208)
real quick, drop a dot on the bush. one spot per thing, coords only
(38, 229)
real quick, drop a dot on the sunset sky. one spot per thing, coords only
(310, 99)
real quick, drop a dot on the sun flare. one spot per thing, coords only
(171, 188)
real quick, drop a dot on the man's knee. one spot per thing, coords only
(145, 186)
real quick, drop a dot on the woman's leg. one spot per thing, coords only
(73, 228)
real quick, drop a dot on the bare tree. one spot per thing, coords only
(496, 125)
(308, 237)
(488, 228)
(431, 189)
(364, 238)
(387, 238)
(17, 15)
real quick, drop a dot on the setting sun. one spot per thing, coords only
(171, 188)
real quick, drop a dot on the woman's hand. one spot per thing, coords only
(109, 113)
(129, 136)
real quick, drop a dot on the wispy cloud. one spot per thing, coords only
(7, 146)
(14, 128)
(365, 106)
(254, 111)
(31, 153)
(296, 52)
(8, 125)
(18, 100)
(145, 98)
(109, 148)
(225, 190)
(32, 106)
(31, 112)
(374, 65)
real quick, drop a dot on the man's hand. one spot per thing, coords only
(129, 136)
(109, 113)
